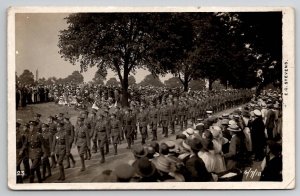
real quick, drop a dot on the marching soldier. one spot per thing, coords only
(165, 118)
(81, 140)
(87, 123)
(172, 110)
(69, 129)
(153, 114)
(107, 118)
(61, 148)
(37, 117)
(35, 149)
(21, 143)
(47, 141)
(128, 123)
(93, 124)
(142, 119)
(101, 133)
(25, 133)
(53, 131)
(115, 128)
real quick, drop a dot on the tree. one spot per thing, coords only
(76, 78)
(173, 82)
(41, 80)
(112, 82)
(131, 81)
(119, 41)
(151, 80)
(99, 77)
(51, 81)
(27, 77)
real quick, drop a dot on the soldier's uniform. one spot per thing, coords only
(25, 133)
(82, 140)
(115, 128)
(165, 119)
(21, 144)
(87, 123)
(35, 150)
(69, 129)
(172, 110)
(101, 134)
(47, 141)
(53, 131)
(93, 124)
(128, 124)
(154, 118)
(142, 119)
(61, 148)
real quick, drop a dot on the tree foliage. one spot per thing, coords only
(26, 78)
(173, 83)
(112, 82)
(131, 81)
(151, 80)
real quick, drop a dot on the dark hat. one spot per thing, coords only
(164, 149)
(275, 148)
(139, 151)
(124, 172)
(18, 124)
(34, 123)
(144, 167)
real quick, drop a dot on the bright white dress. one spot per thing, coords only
(208, 159)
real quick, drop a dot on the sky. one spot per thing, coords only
(36, 48)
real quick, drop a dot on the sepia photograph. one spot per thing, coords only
(151, 98)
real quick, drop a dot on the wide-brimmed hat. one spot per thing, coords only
(162, 163)
(234, 128)
(257, 112)
(139, 151)
(144, 167)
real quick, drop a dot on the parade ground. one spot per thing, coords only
(93, 166)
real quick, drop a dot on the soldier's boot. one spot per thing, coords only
(116, 149)
(106, 148)
(62, 172)
(102, 155)
(26, 167)
(38, 175)
(166, 132)
(143, 140)
(43, 170)
(129, 143)
(73, 160)
(48, 168)
(86, 155)
(82, 163)
(89, 154)
(68, 162)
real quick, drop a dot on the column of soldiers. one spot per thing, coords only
(51, 142)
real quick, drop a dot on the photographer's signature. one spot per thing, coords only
(250, 173)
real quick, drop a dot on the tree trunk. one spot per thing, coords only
(186, 85)
(125, 91)
(210, 82)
